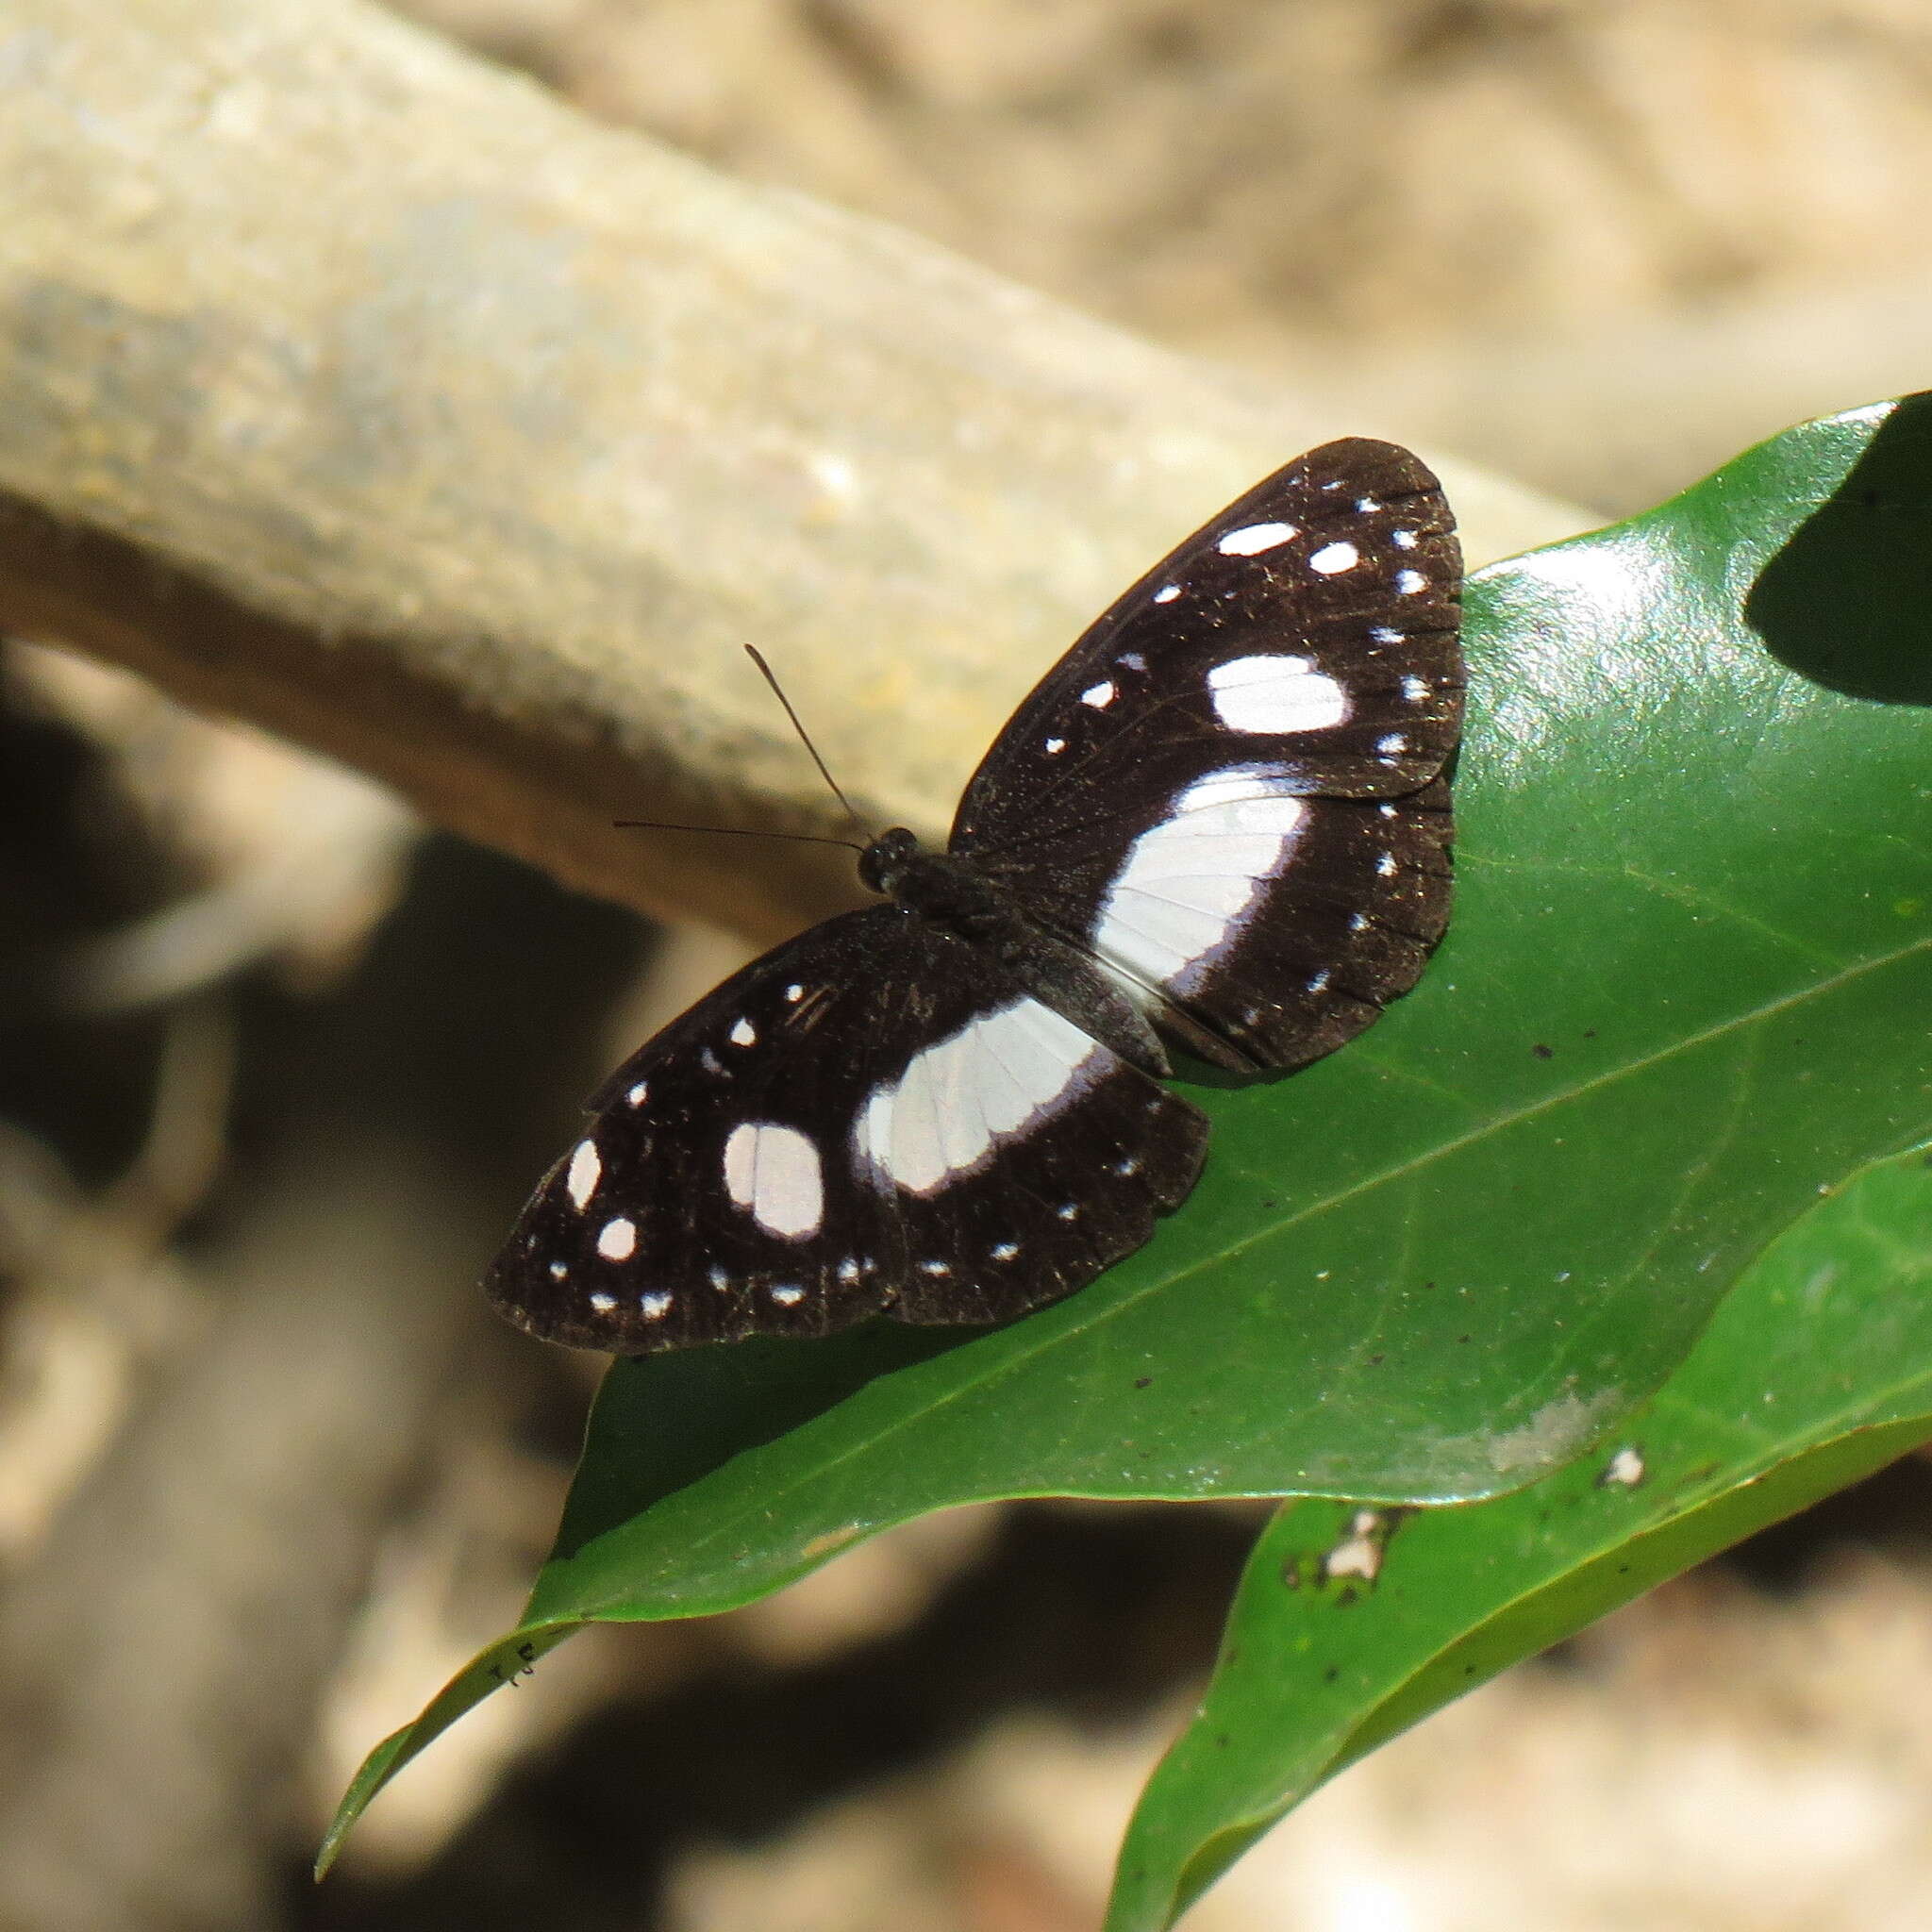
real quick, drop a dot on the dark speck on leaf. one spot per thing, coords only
(1542, 1052)
(1329, 1675)
(1141, 1381)
(1346, 1598)
(1463, 1337)
(1221, 1739)
(1375, 1361)
(1589, 1033)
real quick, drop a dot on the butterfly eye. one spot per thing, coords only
(883, 862)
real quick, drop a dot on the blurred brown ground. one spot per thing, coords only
(1599, 248)
(275, 1074)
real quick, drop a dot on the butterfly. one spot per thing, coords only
(1220, 823)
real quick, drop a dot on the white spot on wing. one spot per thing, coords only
(1055, 745)
(1409, 581)
(617, 1241)
(585, 1171)
(1099, 695)
(773, 1172)
(1405, 539)
(787, 1296)
(1190, 880)
(602, 1303)
(1252, 538)
(1332, 557)
(993, 1078)
(639, 1093)
(651, 1306)
(793, 994)
(745, 1033)
(1276, 694)
(1167, 593)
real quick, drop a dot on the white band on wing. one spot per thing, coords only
(1191, 880)
(992, 1079)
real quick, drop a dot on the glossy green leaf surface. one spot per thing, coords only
(1684, 990)
(1816, 1370)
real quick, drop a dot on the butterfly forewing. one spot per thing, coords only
(1231, 789)
(870, 1119)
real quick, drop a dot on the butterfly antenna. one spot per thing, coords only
(733, 832)
(804, 738)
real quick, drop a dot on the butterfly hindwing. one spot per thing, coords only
(1231, 790)
(1021, 1157)
(870, 1119)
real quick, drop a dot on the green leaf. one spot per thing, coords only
(1816, 1371)
(1693, 904)
(508, 1661)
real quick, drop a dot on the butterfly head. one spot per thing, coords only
(884, 864)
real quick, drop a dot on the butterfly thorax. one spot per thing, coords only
(957, 897)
